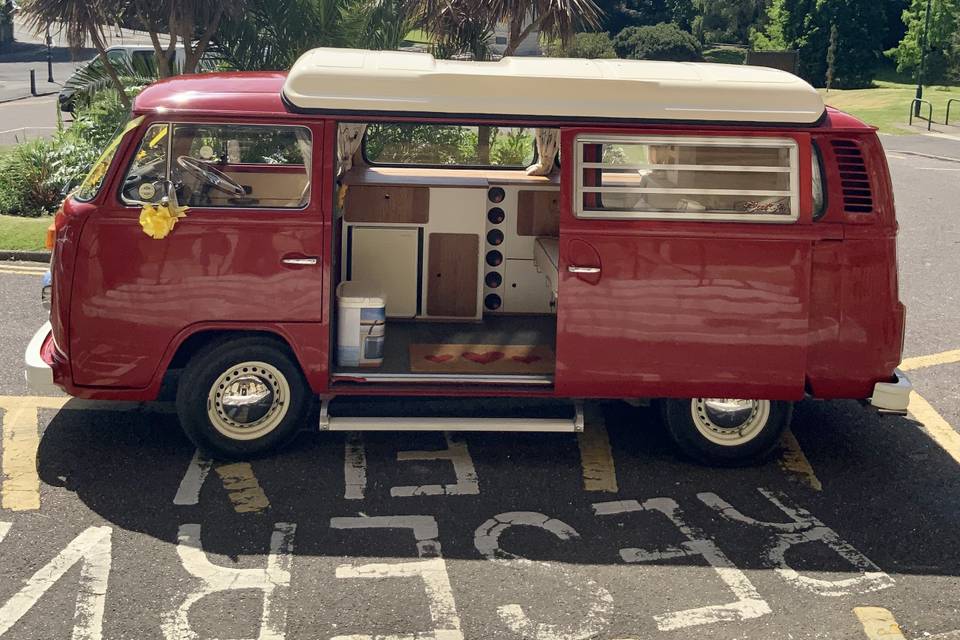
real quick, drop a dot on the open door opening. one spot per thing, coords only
(446, 270)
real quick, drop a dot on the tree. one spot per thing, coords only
(78, 20)
(728, 20)
(805, 25)
(555, 19)
(190, 23)
(943, 48)
(620, 14)
(664, 41)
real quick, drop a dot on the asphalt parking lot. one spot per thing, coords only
(112, 527)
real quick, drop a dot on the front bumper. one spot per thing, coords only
(892, 397)
(37, 371)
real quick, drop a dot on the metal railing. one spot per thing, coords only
(950, 102)
(914, 103)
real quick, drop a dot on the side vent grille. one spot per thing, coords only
(857, 197)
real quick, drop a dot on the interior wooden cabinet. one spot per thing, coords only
(538, 213)
(452, 278)
(379, 204)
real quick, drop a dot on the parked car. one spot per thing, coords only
(715, 241)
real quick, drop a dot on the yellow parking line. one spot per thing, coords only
(20, 489)
(919, 362)
(243, 488)
(936, 427)
(878, 623)
(596, 455)
(19, 482)
(23, 272)
(794, 460)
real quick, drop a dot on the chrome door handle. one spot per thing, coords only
(575, 269)
(300, 261)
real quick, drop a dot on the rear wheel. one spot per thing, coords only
(242, 398)
(726, 431)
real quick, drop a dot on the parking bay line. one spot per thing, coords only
(920, 362)
(22, 271)
(935, 426)
(879, 624)
(794, 460)
(596, 455)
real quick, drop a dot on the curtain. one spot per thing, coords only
(548, 141)
(349, 137)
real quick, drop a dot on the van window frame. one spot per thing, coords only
(171, 124)
(467, 167)
(581, 212)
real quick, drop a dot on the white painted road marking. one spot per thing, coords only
(458, 455)
(748, 604)
(805, 528)
(430, 568)
(487, 541)
(354, 467)
(93, 549)
(273, 582)
(189, 491)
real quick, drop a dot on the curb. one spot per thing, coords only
(26, 256)
(28, 96)
(926, 155)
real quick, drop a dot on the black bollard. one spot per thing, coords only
(33, 82)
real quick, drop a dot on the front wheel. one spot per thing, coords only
(242, 398)
(726, 431)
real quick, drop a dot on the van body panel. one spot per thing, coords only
(680, 309)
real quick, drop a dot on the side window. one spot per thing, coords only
(421, 144)
(241, 166)
(148, 170)
(672, 177)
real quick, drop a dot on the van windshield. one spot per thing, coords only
(90, 186)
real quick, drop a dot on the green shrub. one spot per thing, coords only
(583, 45)
(25, 185)
(34, 176)
(664, 41)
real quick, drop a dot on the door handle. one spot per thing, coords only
(575, 269)
(300, 261)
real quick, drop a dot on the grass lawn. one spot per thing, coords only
(886, 106)
(23, 234)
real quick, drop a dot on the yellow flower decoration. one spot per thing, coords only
(158, 220)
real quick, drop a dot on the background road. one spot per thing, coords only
(623, 538)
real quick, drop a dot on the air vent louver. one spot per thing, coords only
(854, 180)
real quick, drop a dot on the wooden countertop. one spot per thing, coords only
(427, 177)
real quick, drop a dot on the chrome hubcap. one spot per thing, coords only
(248, 401)
(730, 421)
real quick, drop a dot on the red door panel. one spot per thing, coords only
(683, 308)
(684, 317)
(133, 294)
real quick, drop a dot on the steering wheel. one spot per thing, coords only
(212, 176)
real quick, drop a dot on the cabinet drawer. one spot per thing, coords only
(387, 205)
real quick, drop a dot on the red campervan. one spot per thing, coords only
(387, 224)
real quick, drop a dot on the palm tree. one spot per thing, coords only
(78, 20)
(559, 19)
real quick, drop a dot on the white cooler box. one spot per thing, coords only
(361, 318)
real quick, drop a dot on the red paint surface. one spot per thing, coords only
(679, 309)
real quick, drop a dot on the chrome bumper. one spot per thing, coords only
(38, 373)
(892, 397)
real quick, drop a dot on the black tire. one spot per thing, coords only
(289, 398)
(678, 416)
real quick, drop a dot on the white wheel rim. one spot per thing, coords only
(729, 422)
(248, 400)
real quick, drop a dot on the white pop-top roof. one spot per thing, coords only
(393, 82)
